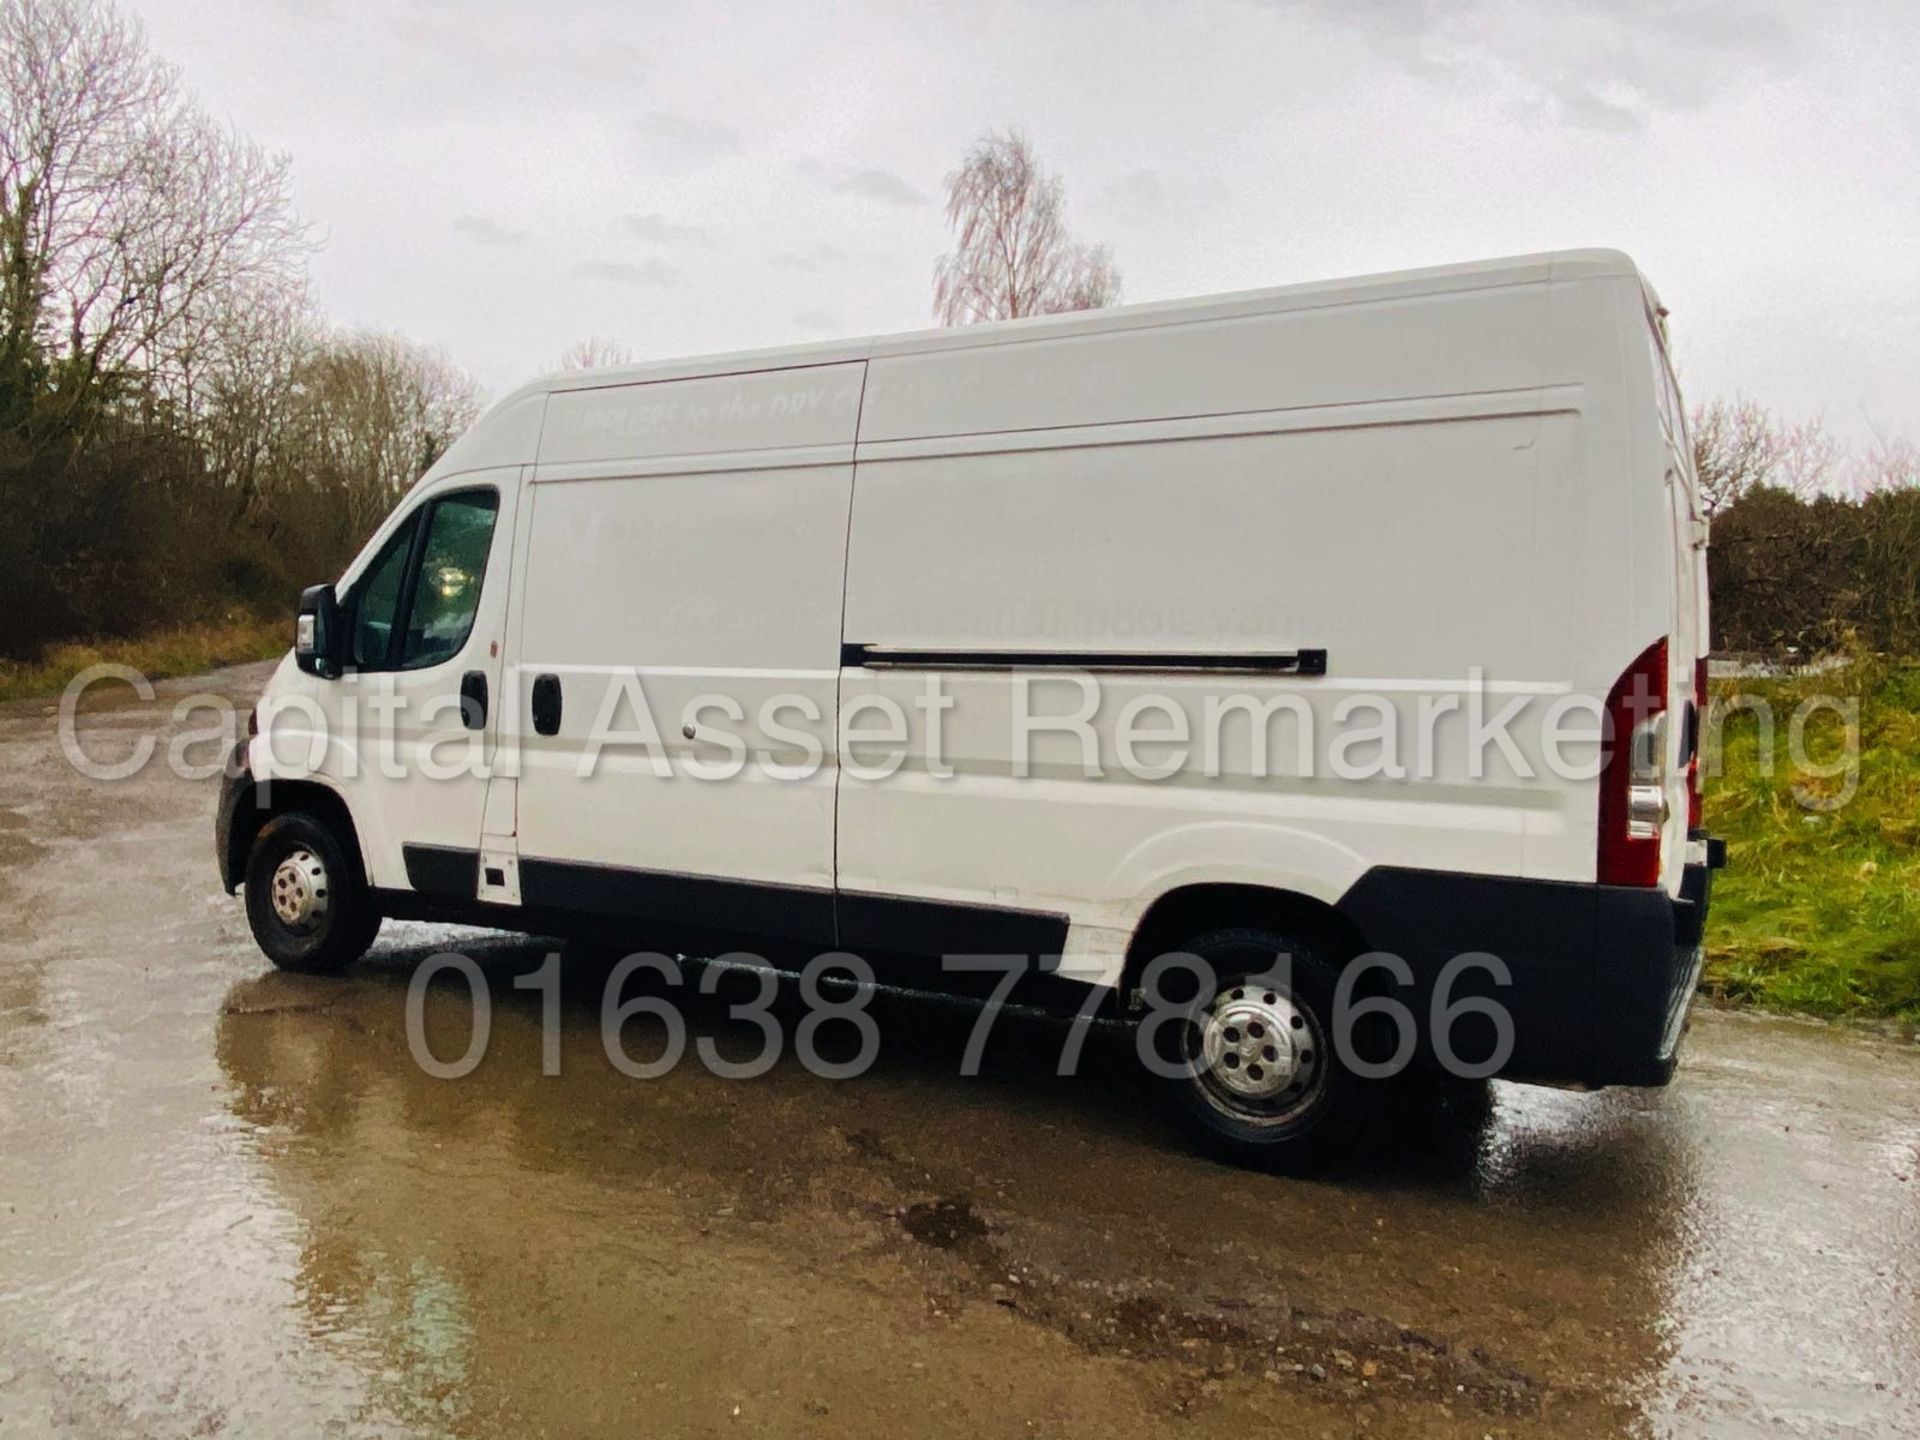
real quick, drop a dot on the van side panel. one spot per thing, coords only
(1411, 347)
(1600, 587)
(1407, 530)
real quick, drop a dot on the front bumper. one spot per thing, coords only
(1598, 978)
(236, 788)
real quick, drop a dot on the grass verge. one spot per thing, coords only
(1818, 910)
(184, 650)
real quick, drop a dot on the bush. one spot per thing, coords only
(1816, 575)
(126, 532)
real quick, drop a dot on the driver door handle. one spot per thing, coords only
(473, 699)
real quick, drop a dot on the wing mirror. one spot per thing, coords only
(319, 639)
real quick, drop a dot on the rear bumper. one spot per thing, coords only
(1598, 978)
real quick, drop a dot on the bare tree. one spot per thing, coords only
(1739, 445)
(1892, 462)
(125, 212)
(369, 413)
(179, 432)
(594, 352)
(1012, 254)
(238, 389)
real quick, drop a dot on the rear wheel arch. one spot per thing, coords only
(1191, 910)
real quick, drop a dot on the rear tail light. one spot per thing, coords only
(1633, 796)
(1697, 727)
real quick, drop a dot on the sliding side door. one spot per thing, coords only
(677, 656)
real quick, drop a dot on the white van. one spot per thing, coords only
(1360, 623)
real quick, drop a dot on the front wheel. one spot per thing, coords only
(1247, 1067)
(308, 905)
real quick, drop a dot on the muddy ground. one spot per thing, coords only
(231, 1203)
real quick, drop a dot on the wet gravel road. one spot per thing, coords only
(232, 1204)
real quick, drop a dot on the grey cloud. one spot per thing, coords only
(611, 63)
(445, 58)
(872, 184)
(1588, 111)
(688, 138)
(1749, 28)
(811, 257)
(624, 272)
(662, 231)
(485, 230)
(1147, 196)
(881, 185)
(1608, 66)
(1139, 191)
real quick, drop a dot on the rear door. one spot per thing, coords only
(1687, 644)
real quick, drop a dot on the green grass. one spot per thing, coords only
(1819, 909)
(185, 650)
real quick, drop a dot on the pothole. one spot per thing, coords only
(944, 1224)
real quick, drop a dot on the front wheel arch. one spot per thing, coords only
(307, 903)
(284, 798)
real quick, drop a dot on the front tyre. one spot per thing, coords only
(1247, 1066)
(308, 905)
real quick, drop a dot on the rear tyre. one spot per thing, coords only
(307, 902)
(1250, 1072)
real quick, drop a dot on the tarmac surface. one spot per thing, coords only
(234, 1203)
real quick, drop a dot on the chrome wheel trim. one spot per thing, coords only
(1259, 1054)
(299, 891)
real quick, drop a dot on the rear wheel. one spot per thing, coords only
(1250, 1070)
(309, 907)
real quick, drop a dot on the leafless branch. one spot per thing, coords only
(594, 352)
(1012, 254)
(1739, 444)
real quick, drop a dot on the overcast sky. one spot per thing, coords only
(502, 179)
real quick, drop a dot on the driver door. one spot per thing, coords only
(426, 620)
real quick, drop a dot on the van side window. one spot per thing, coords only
(376, 599)
(446, 588)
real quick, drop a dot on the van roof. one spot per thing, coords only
(1474, 275)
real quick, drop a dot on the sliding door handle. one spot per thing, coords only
(546, 704)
